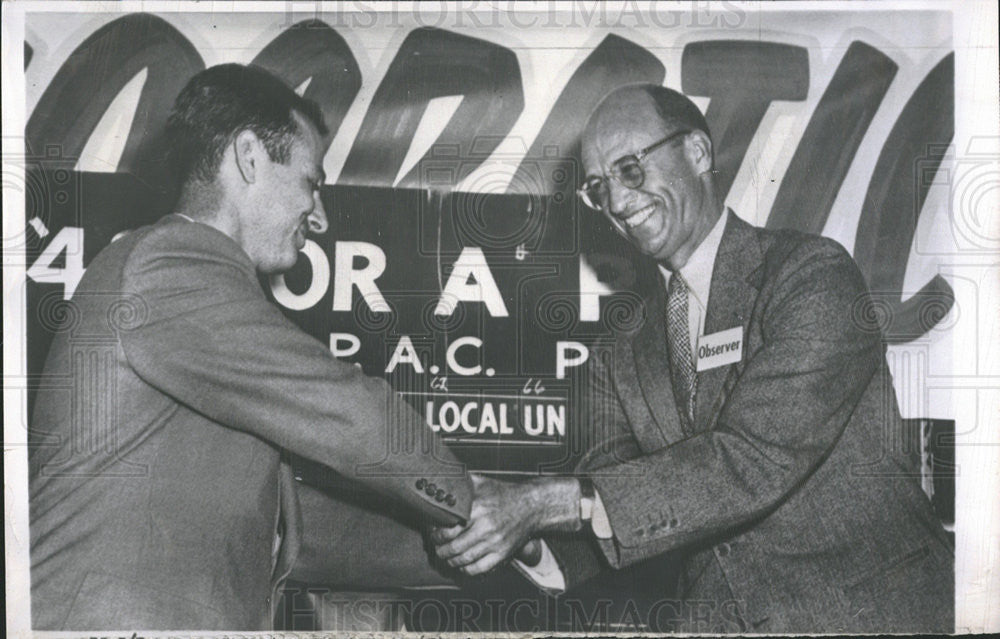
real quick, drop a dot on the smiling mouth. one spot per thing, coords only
(639, 216)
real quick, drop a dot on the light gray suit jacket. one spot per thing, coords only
(157, 481)
(791, 499)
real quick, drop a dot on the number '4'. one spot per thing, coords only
(70, 240)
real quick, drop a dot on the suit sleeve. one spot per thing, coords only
(781, 419)
(211, 340)
(609, 442)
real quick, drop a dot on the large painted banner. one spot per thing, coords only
(459, 263)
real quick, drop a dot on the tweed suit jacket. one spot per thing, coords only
(790, 498)
(159, 497)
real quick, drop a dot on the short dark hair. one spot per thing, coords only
(676, 110)
(218, 103)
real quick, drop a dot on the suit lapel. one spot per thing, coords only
(730, 299)
(649, 347)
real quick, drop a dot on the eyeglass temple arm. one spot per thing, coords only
(655, 145)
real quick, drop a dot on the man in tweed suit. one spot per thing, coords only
(160, 497)
(748, 426)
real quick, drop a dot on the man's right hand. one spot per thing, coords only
(505, 515)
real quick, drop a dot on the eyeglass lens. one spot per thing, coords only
(627, 170)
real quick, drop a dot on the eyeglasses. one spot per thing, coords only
(627, 170)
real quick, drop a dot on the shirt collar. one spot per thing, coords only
(697, 273)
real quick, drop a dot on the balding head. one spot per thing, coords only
(637, 105)
(667, 203)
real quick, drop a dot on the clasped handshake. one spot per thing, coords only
(506, 520)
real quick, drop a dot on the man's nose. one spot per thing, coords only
(317, 218)
(619, 197)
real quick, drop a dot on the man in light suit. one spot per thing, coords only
(749, 425)
(159, 494)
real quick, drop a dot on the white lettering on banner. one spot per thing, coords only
(70, 240)
(492, 418)
(317, 286)
(453, 363)
(449, 416)
(471, 281)
(719, 349)
(547, 419)
(405, 354)
(563, 362)
(591, 292)
(364, 278)
(352, 340)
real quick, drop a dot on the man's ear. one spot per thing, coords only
(247, 149)
(699, 151)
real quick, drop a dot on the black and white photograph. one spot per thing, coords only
(540, 318)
